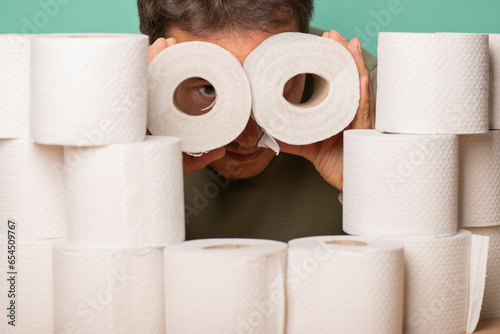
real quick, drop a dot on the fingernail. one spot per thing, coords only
(155, 43)
(360, 48)
(341, 37)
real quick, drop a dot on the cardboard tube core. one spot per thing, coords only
(347, 243)
(226, 246)
(321, 89)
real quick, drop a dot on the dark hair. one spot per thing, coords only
(204, 17)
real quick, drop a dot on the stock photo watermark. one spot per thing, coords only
(48, 10)
(408, 164)
(12, 272)
(97, 136)
(88, 310)
(381, 19)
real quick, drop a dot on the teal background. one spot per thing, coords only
(353, 18)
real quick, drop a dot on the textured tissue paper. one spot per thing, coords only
(102, 291)
(15, 86)
(400, 184)
(432, 83)
(491, 302)
(335, 99)
(494, 43)
(228, 116)
(344, 284)
(479, 180)
(437, 270)
(125, 195)
(88, 90)
(32, 188)
(32, 292)
(225, 286)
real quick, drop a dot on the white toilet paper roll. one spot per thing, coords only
(335, 100)
(89, 90)
(343, 284)
(29, 290)
(400, 184)
(108, 291)
(494, 47)
(432, 83)
(437, 284)
(219, 286)
(491, 301)
(125, 195)
(228, 116)
(15, 86)
(479, 185)
(32, 188)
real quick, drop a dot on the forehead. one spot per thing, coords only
(240, 43)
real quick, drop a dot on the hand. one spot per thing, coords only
(327, 155)
(190, 163)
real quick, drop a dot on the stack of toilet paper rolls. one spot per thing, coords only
(432, 163)
(480, 182)
(76, 166)
(32, 208)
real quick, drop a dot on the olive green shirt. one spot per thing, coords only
(288, 200)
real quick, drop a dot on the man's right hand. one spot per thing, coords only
(190, 163)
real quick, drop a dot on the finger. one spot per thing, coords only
(171, 41)
(362, 118)
(159, 45)
(336, 36)
(356, 51)
(191, 163)
(372, 105)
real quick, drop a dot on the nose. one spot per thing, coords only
(251, 135)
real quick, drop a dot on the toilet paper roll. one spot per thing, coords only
(432, 83)
(15, 86)
(479, 180)
(89, 90)
(334, 102)
(32, 188)
(108, 291)
(494, 49)
(345, 284)
(491, 301)
(219, 286)
(400, 184)
(228, 116)
(27, 285)
(437, 284)
(125, 195)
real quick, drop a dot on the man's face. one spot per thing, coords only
(243, 159)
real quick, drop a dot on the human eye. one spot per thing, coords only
(207, 91)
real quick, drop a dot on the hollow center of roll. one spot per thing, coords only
(226, 246)
(347, 243)
(195, 96)
(316, 90)
(90, 36)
